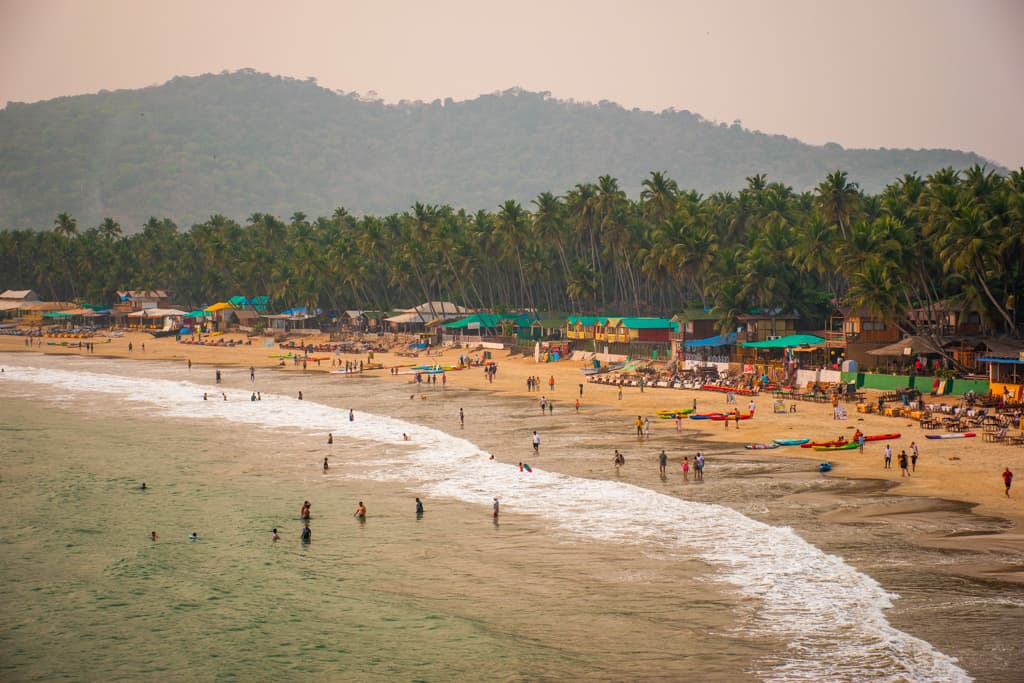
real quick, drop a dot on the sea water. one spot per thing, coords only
(580, 576)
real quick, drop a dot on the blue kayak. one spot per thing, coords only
(790, 442)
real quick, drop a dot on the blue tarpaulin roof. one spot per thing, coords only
(720, 340)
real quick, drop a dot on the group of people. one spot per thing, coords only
(908, 462)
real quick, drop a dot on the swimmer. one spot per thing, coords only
(405, 437)
(275, 536)
(360, 512)
(304, 512)
(193, 537)
(152, 536)
(143, 487)
(300, 395)
(307, 534)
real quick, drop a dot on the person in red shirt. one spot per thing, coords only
(1007, 479)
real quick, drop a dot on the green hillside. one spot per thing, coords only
(236, 143)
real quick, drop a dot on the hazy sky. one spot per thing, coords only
(866, 73)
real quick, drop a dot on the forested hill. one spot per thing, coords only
(243, 142)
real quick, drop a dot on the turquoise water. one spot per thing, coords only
(565, 586)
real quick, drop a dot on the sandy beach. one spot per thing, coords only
(964, 470)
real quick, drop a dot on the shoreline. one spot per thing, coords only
(964, 472)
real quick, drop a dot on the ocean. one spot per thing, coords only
(587, 573)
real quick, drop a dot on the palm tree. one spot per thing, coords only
(510, 224)
(837, 200)
(66, 226)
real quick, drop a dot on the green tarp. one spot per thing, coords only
(791, 341)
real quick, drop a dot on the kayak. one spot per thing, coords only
(669, 414)
(840, 447)
(707, 416)
(761, 446)
(814, 444)
(791, 442)
(954, 435)
(882, 437)
(721, 418)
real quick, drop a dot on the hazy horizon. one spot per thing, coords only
(913, 74)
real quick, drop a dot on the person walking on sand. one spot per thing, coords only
(620, 391)
(1007, 480)
(551, 382)
(860, 443)
(577, 405)
(913, 456)
(888, 456)
(662, 463)
(639, 427)
(647, 428)
(462, 418)
(536, 442)
(904, 465)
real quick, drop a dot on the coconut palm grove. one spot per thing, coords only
(953, 236)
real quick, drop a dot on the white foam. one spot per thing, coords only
(831, 615)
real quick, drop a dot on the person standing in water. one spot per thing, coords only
(536, 442)
(419, 508)
(307, 533)
(462, 418)
(326, 466)
(360, 512)
(351, 415)
(274, 536)
(330, 439)
(496, 507)
(662, 463)
(152, 536)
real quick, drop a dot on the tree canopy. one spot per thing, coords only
(951, 237)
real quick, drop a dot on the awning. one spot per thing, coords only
(720, 340)
(792, 341)
(1011, 361)
(219, 306)
(916, 344)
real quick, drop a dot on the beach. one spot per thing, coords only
(565, 583)
(965, 470)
